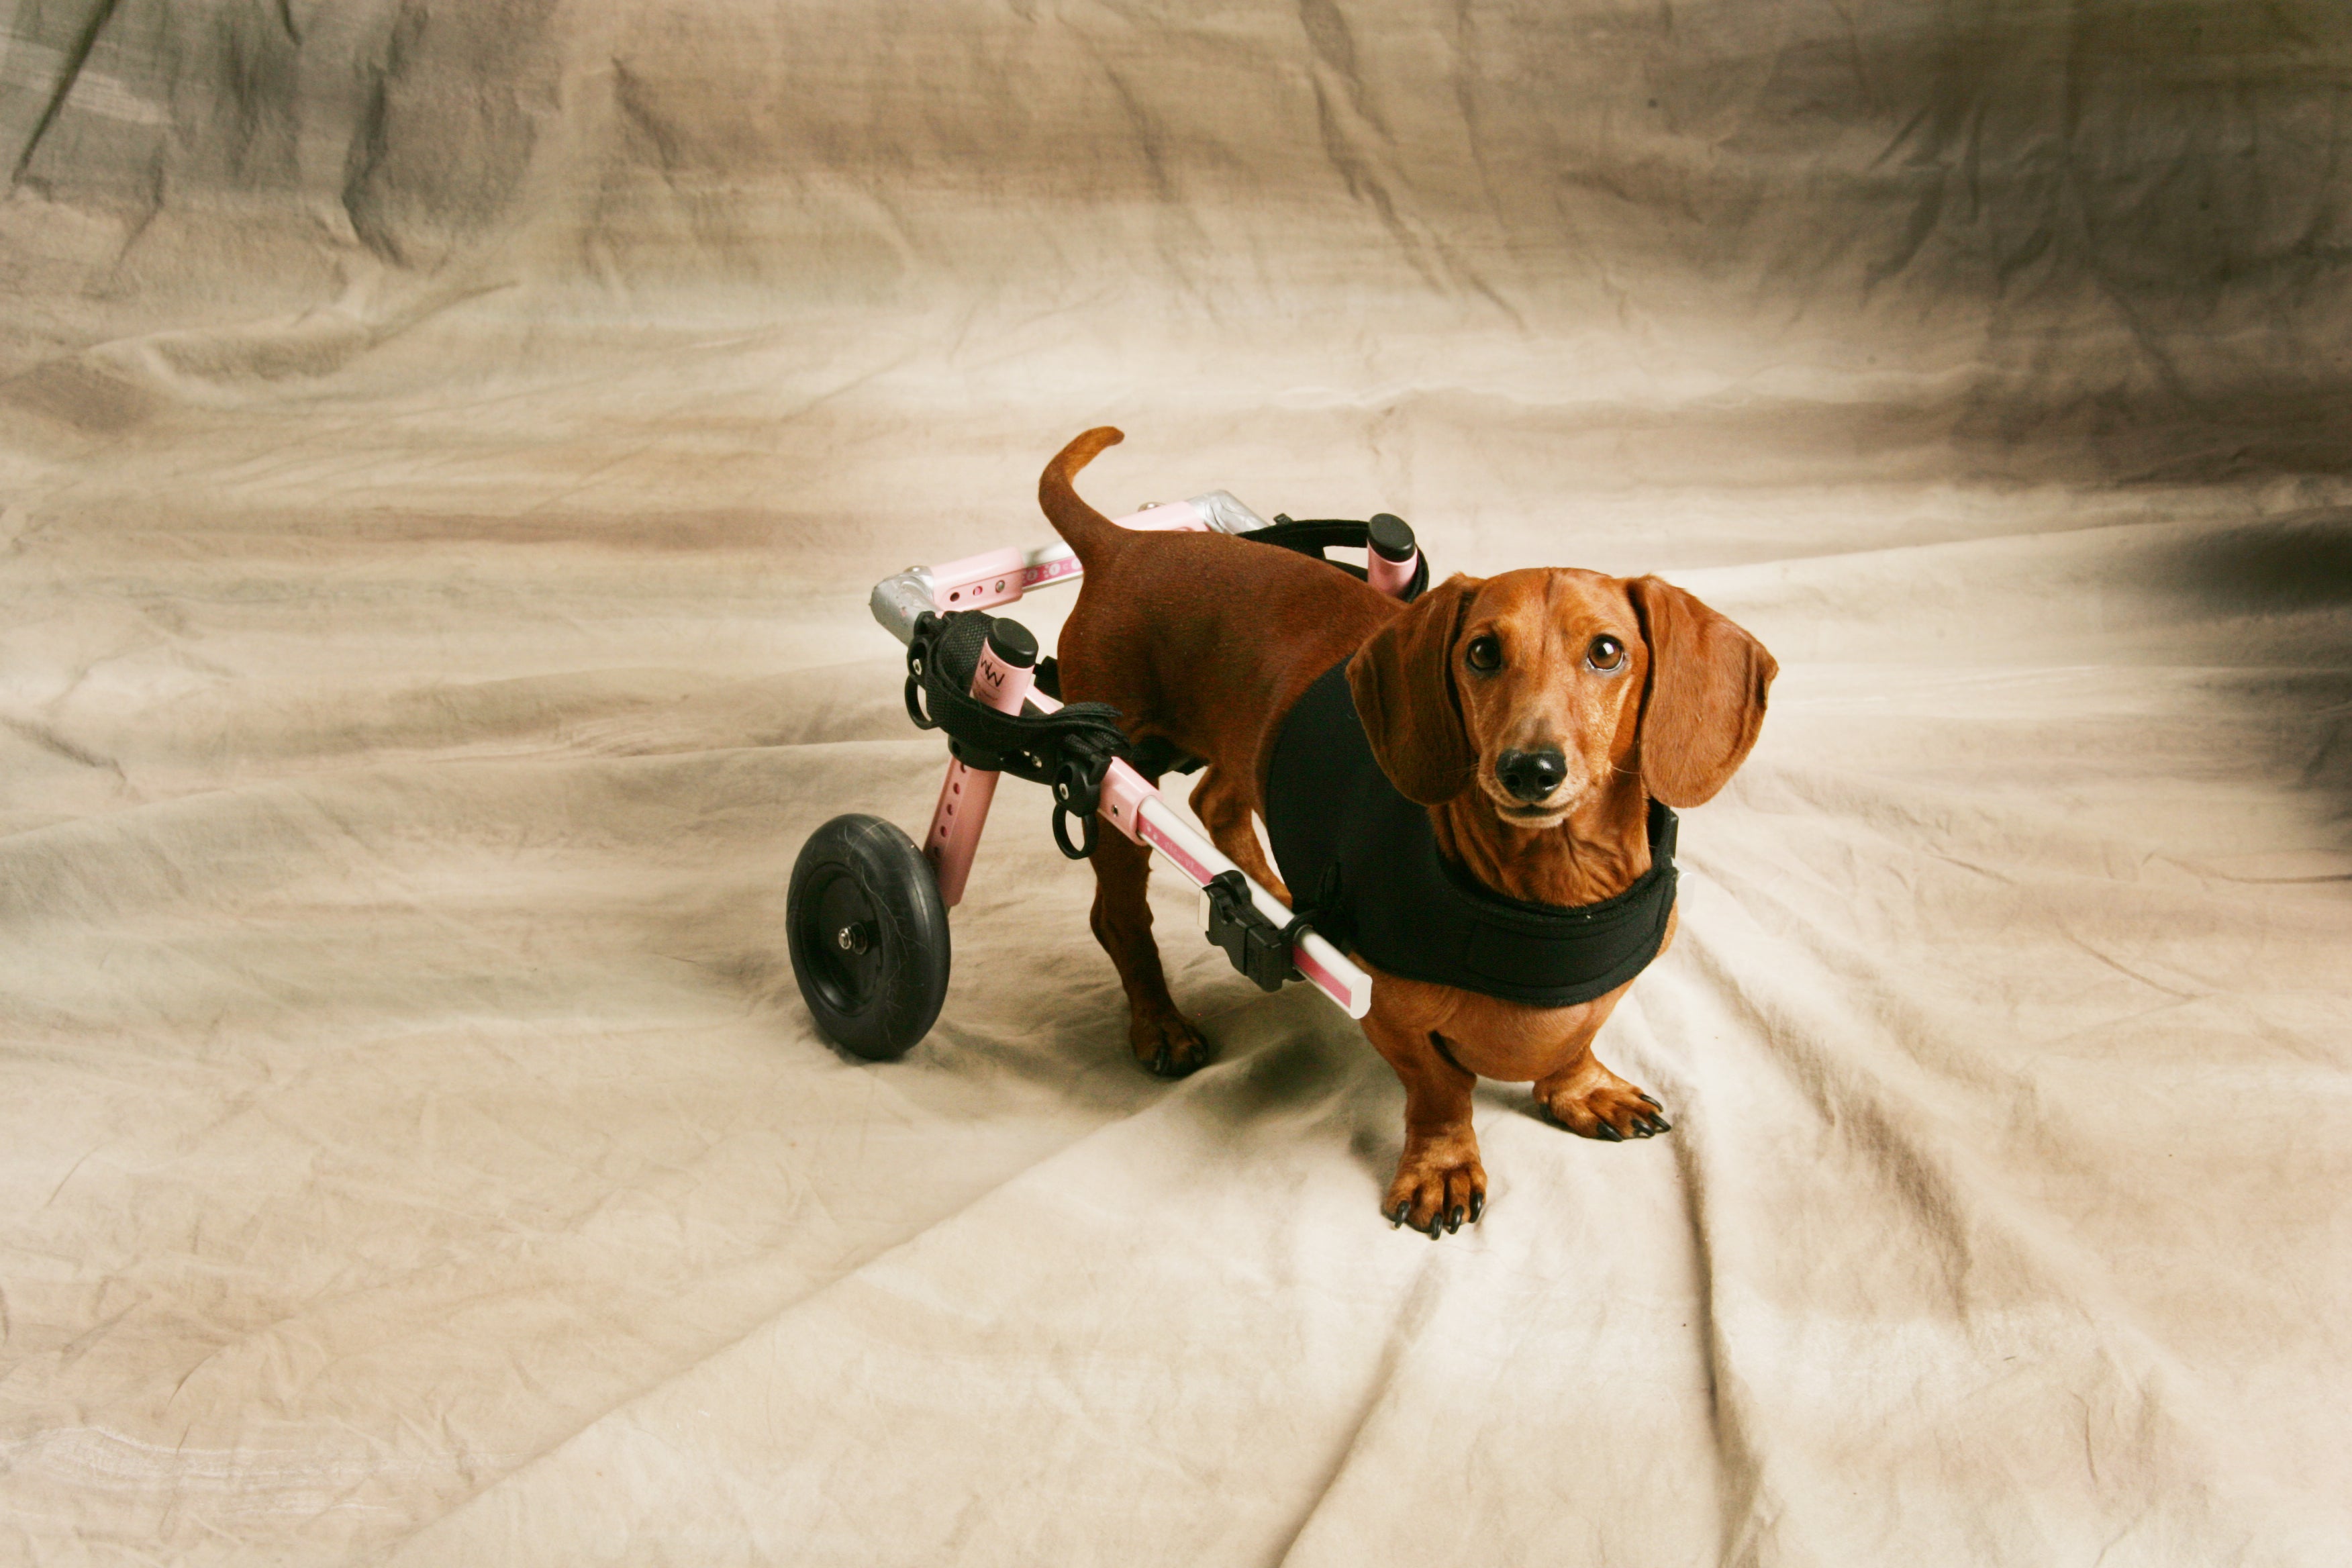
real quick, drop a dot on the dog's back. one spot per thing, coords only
(1205, 638)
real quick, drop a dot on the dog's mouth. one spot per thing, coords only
(1550, 811)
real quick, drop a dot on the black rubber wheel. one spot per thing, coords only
(869, 936)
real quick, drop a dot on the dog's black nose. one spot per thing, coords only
(1531, 775)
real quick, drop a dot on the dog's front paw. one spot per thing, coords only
(1167, 1045)
(1594, 1103)
(1439, 1184)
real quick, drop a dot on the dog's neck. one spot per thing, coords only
(1596, 854)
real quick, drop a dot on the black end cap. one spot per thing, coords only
(1391, 537)
(1014, 643)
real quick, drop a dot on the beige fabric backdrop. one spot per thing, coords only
(443, 453)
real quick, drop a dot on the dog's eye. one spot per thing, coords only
(1605, 654)
(1485, 653)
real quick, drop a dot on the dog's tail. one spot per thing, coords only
(1088, 532)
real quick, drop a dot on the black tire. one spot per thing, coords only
(869, 936)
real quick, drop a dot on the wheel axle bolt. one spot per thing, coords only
(852, 938)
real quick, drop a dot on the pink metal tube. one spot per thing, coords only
(1007, 670)
(1394, 557)
(1000, 576)
(1131, 804)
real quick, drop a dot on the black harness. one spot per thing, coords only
(1363, 868)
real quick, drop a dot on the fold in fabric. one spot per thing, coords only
(444, 455)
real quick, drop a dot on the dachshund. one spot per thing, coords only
(1535, 714)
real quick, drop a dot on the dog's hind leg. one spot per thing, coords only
(1165, 1041)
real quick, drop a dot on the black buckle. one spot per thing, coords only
(1078, 792)
(1257, 947)
(1070, 749)
(919, 658)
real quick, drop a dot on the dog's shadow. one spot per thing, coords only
(1034, 1008)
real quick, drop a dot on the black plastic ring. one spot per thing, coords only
(1087, 840)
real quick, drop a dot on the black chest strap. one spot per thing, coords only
(1364, 860)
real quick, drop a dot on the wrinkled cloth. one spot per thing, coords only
(444, 451)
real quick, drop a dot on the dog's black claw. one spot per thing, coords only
(1477, 1207)
(1664, 1125)
(1646, 1097)
(1610, 1133)
(1453, 1219)
(1436, 1225)
(1396, 1216)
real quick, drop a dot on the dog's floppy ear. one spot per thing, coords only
(1706, 702)
(1404, 683)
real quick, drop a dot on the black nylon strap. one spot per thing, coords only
(1314, 535)
(940, 659)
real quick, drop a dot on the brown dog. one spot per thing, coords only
(1535, 714)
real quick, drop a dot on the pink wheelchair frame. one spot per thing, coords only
(1131, 804)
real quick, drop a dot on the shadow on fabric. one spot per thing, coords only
(2289, 583)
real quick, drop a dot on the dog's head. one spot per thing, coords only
(1535, 686)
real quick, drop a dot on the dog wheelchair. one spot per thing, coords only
(865, 917)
